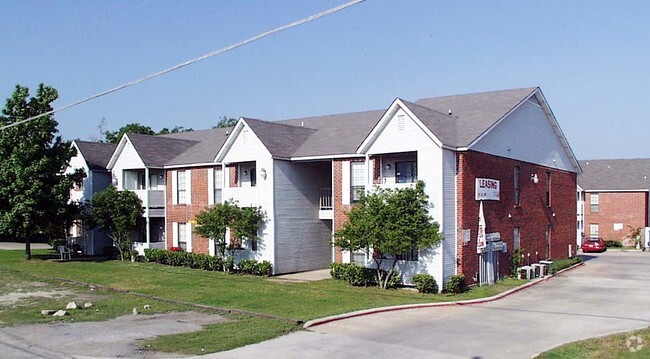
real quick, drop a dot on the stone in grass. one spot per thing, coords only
(71, 305)
(88, 305)
(60, 313)
(147, 307)
(48, 311)
(135, 311)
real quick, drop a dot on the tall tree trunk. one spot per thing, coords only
(28, 248)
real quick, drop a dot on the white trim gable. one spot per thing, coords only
(529, 133)
(564, 158)
(118, 152)
(230, 141)
(388, 116)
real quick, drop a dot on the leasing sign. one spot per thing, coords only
(487, 189)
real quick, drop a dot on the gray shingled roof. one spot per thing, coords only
(96, 154)
(156, 151)
(615, 175)
(336, 134)
(474, 113)
(282, 140)
(208, 144)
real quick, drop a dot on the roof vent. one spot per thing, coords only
(227, 133)
(449, 112)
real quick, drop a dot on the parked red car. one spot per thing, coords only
(594, 245)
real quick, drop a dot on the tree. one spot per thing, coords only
(176, 129)
(116, 136)
(116, 212)
(226, 122)
(243, 222)
(388, 223)
(34, 188)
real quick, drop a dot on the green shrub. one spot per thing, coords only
(614, 244)
(425, 283)
(336, 270)
(263, 268)
(560, 264)
(516, 261)
(455, 284)
(247, 266)
(351, 273)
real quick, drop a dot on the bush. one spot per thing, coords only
(425, 283)
(455, 284)
(263, 268)
(351, 273)
(516, 261)
(614, 244)
(560, 264)
(247, 266)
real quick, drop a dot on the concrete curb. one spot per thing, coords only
(334, 318)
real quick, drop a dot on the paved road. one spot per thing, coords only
(608, 294)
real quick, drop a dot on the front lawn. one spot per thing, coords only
(300, 301)
(617, 346)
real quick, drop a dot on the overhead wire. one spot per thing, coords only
(190, 62)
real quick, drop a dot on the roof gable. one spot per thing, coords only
(96, 154)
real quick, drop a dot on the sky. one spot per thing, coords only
(590, 58)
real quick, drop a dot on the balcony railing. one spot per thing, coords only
(325, 198)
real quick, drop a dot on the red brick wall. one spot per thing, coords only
(532, 215)
(185, 213)
(232, 176)
(628, 208)
(340, 210)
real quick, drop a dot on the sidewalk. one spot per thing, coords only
(14, 246)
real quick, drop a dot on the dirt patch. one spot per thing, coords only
(117, 337)
(15, 297)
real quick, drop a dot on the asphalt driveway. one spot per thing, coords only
(610, 293)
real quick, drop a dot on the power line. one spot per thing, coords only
(191, 61)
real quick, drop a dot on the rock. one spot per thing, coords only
(135, 311)
(71, 305)
(88, 305)
(60, 313)
(147, 307)
(48, 311)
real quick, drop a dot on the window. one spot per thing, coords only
(358, 258)
(181, 187)
(357, 180)
(218, 183)
(133, 179)
(593, 230)
(516, 181)
(406, 172)
(182, 236)
(253, 173)
(548, 189)
(517, 240)
(594, 199)
(410, 255)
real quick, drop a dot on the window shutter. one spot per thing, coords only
(210, 186)
(174, 189)
(345, 182)
(188, 227)
(174, 233)
(188, 187)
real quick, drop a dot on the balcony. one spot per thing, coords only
(326, 210)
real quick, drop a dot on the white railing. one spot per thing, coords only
(325, 198)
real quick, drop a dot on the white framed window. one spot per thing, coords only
(182, 236)
(594, 230)
(181, 187)
(357, 180)
(594, 201)
(218, 183)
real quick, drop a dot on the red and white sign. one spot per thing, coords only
(481, 241)
(487, 189)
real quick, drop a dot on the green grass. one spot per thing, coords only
(301, 301)
(560, 264)
(609, 347)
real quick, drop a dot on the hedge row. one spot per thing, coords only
(560, 264)
(206, 262)
(360, 276)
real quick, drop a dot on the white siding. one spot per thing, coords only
(405, 135)
(526, 135)
(261, 195)
(128, 159)
(302, 240)
(449, 222)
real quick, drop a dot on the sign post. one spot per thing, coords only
(486, 189)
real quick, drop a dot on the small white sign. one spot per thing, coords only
(487, 189)
(493, 237)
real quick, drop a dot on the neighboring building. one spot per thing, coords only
(614, 198)
(93, 158)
